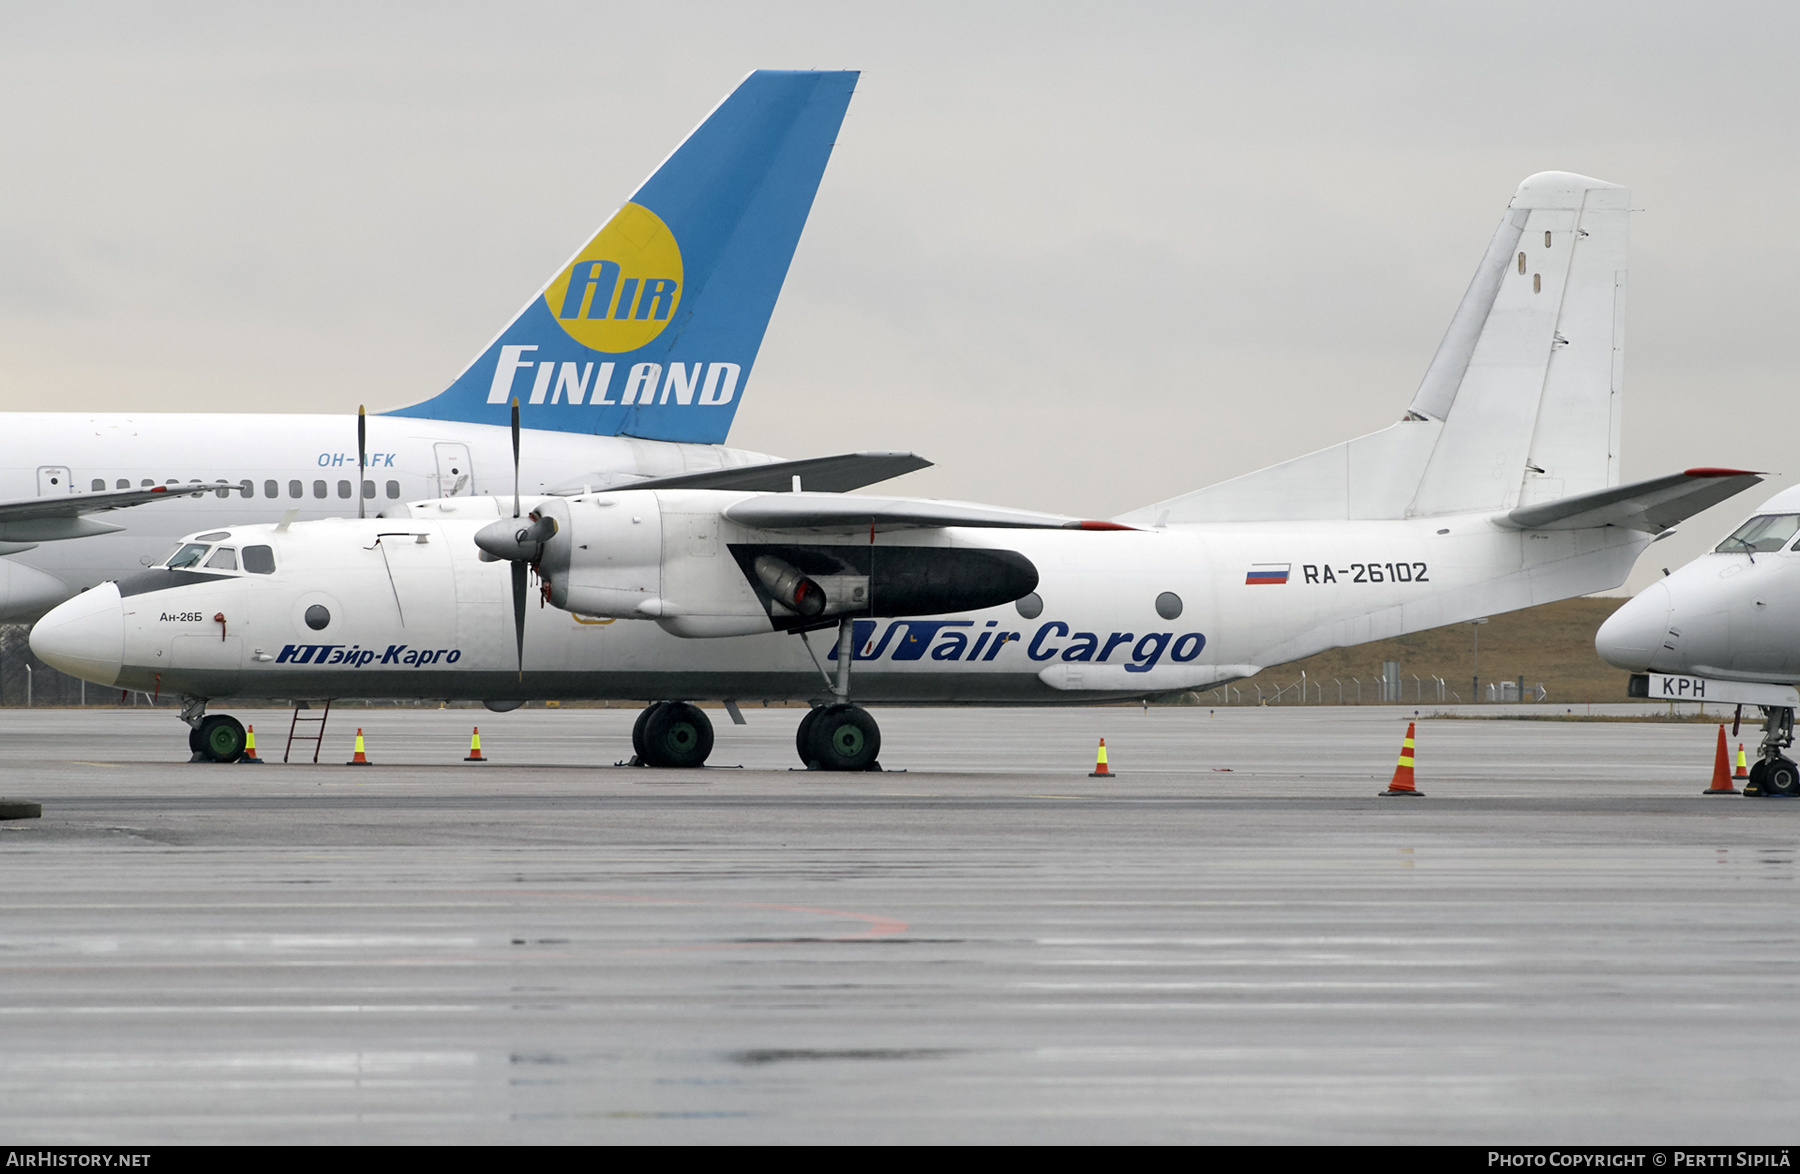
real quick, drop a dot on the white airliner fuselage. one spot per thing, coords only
(260, 467)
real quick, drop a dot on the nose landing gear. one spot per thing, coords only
(218, 738)
(1774, 773)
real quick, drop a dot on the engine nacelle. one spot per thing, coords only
(673, 557)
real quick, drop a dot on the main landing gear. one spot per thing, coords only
(839, 736)
(672, 735)
(835, 736)
(1773, 773)
(219, 738)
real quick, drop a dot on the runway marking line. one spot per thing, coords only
(879, 925)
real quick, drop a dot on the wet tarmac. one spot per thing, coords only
(1233, 940)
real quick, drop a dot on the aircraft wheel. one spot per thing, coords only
(1783, 778)
(803, 735)
(677, 735)
(845, 737)
(637, 728)
(194, 742)
(221, 738)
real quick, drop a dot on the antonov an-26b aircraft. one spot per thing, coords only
(630, 364)
(1497, 490)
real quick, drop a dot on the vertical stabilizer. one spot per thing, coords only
(1530, 399)
(1520, 405)
(651, 328)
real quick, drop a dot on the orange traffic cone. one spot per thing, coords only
(359, 758)
(1721, 780)
(1100, 771)
(475, 747)
(1403, 771)
(249, 755)
(1743, 771)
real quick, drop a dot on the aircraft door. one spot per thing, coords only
(455, 474)
(423, 586)
(54, 479)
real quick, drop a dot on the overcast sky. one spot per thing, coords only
(1082, 256)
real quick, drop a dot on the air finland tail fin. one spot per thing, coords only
(1520, 404)
(651, 329)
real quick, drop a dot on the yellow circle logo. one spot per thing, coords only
(622, 289)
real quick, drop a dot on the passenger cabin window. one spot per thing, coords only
(188, 556)
(271, 489)
(368, 489)
(223, 559)
(319, 489)
(1767, 532)
(343, 489)
(99, 484)
(122, 483)
(296, 489)
(259, 560)
(393, 490)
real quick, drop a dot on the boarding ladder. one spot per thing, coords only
(318, 738)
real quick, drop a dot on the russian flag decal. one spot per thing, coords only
(1266, 574)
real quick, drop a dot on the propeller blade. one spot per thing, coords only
(515, 432)
(519, 586)
(362, 460)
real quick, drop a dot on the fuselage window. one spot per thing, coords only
(1761, 534)
(319, 489)
(146, 483)
(393, 490)
(188, 556)
(296, 489)
(246, 489)
(224, 559)
(343, 489)
(123, 483)
(259, 560)
(99, 484)
(368, 489)
(271, 489)
(224, 490)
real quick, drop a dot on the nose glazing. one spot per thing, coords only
(84, 637)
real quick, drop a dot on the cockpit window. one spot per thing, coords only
(223, 559)
(1766, 532)
(188, 556)
(259, 560)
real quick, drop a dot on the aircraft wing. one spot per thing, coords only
(57, 516)
(822, 511)
(1652, 506)
(836, 474)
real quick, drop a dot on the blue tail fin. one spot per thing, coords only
(652, 327)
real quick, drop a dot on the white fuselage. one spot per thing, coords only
(418, 614)
(1733, 614)
(263, 466)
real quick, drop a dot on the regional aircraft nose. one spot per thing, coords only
(1635, 632)
(84, 637)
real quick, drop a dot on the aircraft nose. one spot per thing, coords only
(1636, 631)
(84, 637)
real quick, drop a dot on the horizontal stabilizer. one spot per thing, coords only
(1651, 506)
(837, 474)
(58, 516)
(823, 511)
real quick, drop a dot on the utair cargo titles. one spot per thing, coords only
(941, 640)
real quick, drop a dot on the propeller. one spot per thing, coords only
(519, 540)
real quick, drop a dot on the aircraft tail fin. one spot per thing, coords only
(1519, 406)
(651, 328)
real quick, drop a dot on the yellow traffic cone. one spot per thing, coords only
(249, 755)
(475, 747)
(359, 758)
(1100, 771)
